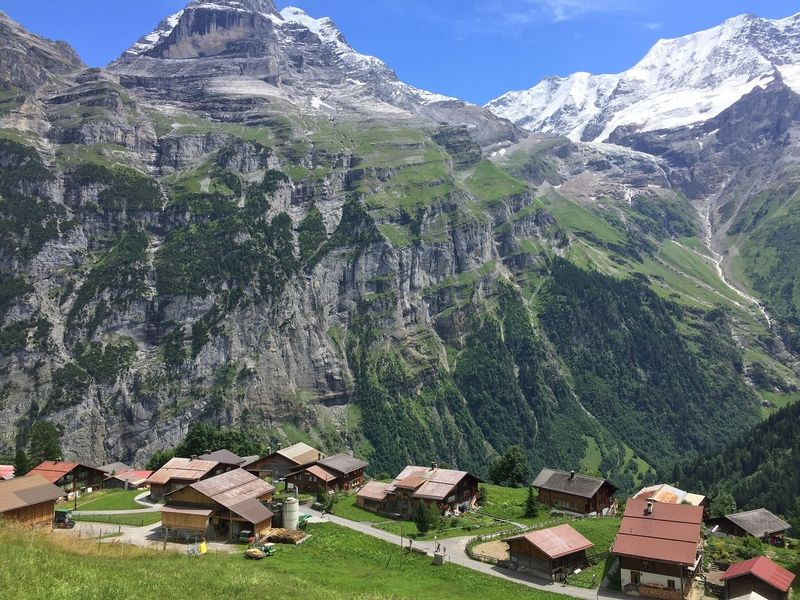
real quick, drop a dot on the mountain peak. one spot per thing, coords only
(680, 81)
(260, 6)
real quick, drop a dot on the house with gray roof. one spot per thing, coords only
(574, 492)
(338, 472)
(759, 523)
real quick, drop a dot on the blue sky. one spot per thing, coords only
(472, 49)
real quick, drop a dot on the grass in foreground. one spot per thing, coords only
(134, 520)
(334, 564)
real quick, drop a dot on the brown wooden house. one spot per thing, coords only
(757, 578)
(29, 500)
(552, 553)
(340, 472)
(759, 523)
(71, 477)
(660, 549)
(573, 492)
(445, 488)
(284, 460)
(180, 472)
(222, 506)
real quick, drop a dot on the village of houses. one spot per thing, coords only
(225, 503)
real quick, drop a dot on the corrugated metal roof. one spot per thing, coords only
(53, 471)
(671, 533)
(667, 494)
(184, 469)
(374, 490)
(301, 454)
(759, 522)
(430, 483)
(556, 541)
(252, 510)
(433, 490)
(765, 570)
(343, 463)
(318, 471)
(27, 491)
(584, 486)
(233, 488)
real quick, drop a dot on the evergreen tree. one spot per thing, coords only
(532, 502)
(723, 504)
(511, 469)
(159, 459)
(44, 444)
(422, 518)
(21, 463)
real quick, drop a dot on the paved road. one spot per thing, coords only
(456, 553)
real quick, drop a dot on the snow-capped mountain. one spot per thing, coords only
(249, 48)
(679, 82)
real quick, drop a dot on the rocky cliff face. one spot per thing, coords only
(244, 221)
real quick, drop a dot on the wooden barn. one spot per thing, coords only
(71, 477)
(222, 506)
(757, 578)
(339, 472)
(553, 553)
(759, 523)
(573, 492)
(29, 500)
(280, 463)
(178, 473)
(447, 489)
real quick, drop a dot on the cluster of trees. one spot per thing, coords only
(44, 443)
(757, 470)
(203, 438)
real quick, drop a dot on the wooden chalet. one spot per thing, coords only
(757, 579)
(573, 492)
(128, 480)
(29, 500)
(339, 472)
(552, 553)
(222, 506)
(228, 459)
(280, 463)
(759, 523)
(445, 488)
(660, 549)
(178, 473)
(71, 477)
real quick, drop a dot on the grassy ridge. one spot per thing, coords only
(334, 564)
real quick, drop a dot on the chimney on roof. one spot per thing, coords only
(193, 457)
(434, 466)
(319, 455)
(571, 475)
(649, 509)
(280, 445)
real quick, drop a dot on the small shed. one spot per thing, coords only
(759, 523)
(756, 579)
(553, 552)
(29, 500)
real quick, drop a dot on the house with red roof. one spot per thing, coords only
(6, 472)
(552, 553)
(71, 477)
(659, 548)
(757, 579)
